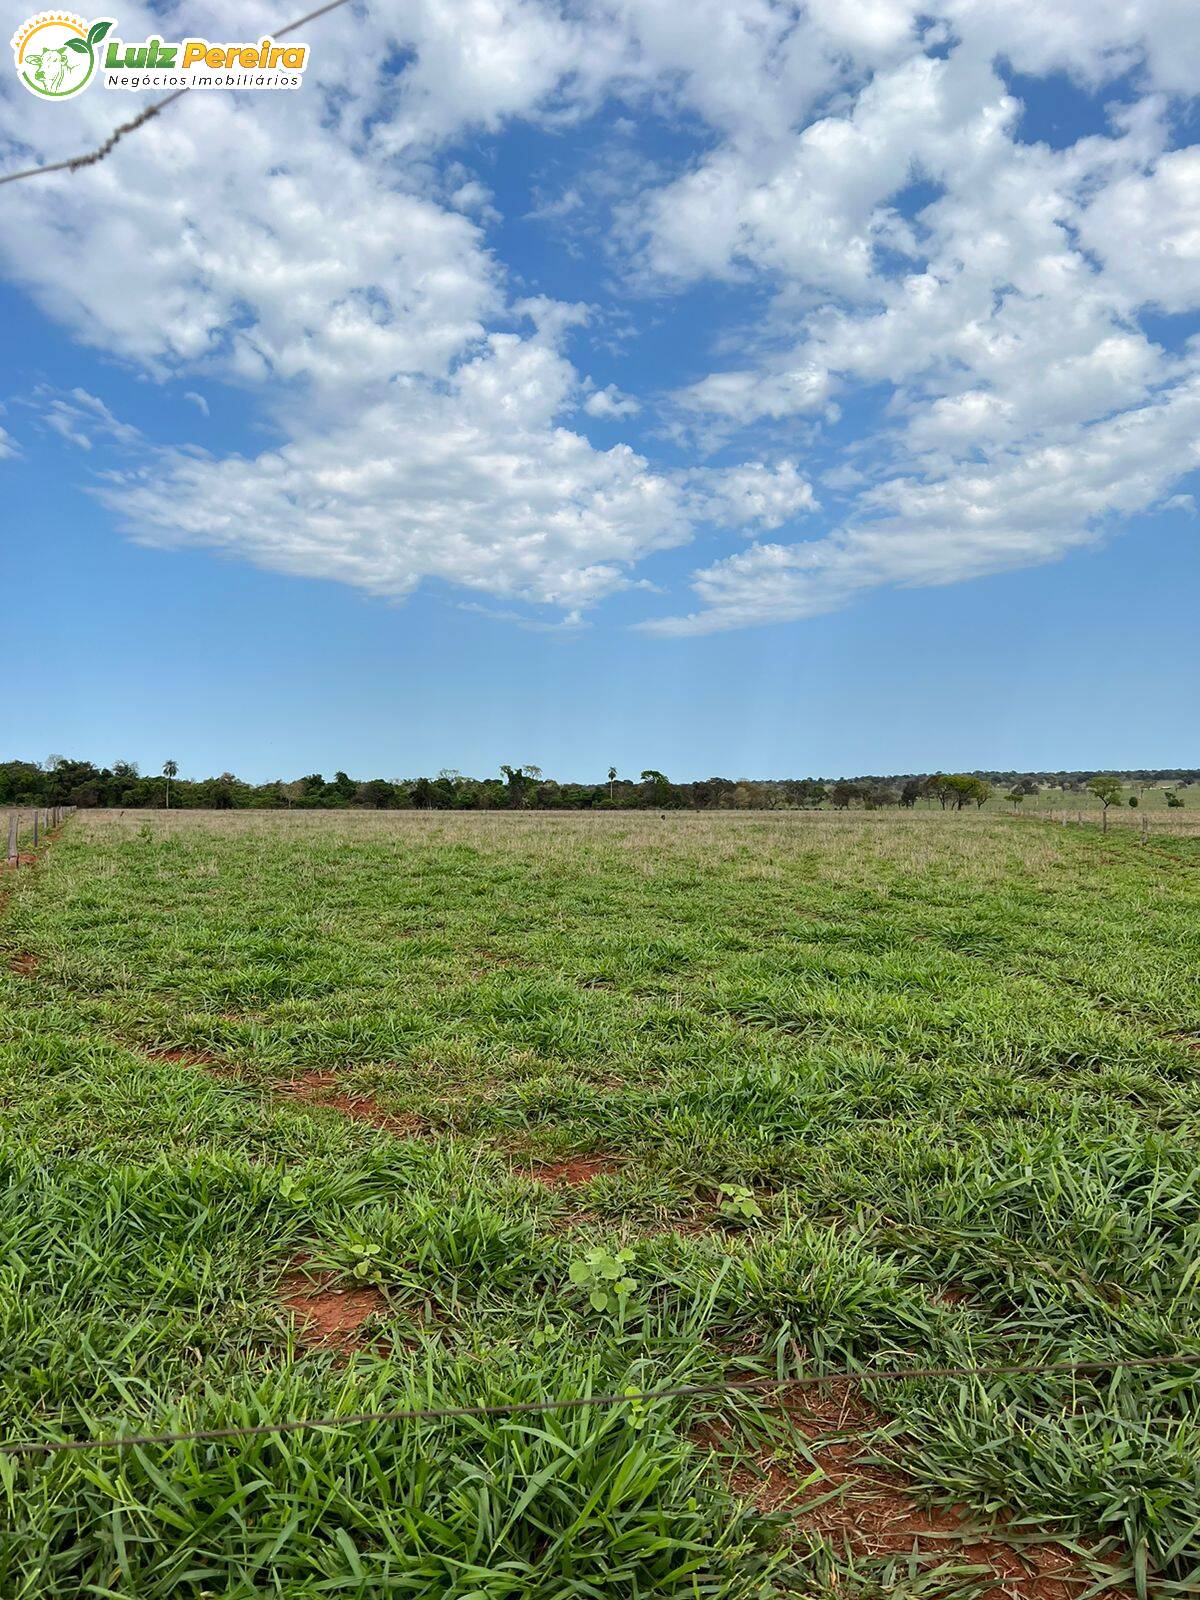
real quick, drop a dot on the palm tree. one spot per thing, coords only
(170, 770)
(612, 778)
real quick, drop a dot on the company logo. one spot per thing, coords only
(55, 53)
(58, 54)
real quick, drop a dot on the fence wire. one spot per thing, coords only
(90, 157)
(580, 1402)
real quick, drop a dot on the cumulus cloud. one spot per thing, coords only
(610, 402)
(472, 482)
(1145, 228)
(1018, 510)
(754, 496)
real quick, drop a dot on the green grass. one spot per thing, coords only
(943, 1053)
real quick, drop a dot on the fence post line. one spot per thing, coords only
(14, 821)
(37, 812)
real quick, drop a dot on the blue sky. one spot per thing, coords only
(731, 388)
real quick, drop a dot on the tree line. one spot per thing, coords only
(60, 781)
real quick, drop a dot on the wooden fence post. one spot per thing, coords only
(14, 821)
(1145, 827)
(37, 812)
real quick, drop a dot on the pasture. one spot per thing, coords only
(313, 1114)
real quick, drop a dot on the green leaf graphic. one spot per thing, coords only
(77, 44)
(97, 31)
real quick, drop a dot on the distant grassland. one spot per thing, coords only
(952, 1059)
(1184, 819)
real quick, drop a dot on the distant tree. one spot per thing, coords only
(612, 780)
(1174, 801)
(1133, 800)
(956, 789)
(843, 793)
(875, 796)
(520, 785)
(1015, 796)
(981, 792)
(805, 792)
(911, 793)
(377, 794)
(658, 788)
(170, 770)
(708, 793)
(1106, 790)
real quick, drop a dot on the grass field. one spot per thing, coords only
(853, 1091)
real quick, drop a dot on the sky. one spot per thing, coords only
(720, 386)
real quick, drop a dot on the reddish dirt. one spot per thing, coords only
(875, 1513)
(320, 1089)
(187, 1058)
(573, 1172)
(24, 965)
(329, 1315)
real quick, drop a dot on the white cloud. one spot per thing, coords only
(610, 402)
(780, 390)
(1020, 509)
(753, 496)
(198, 401)
(812, 209)
(253, 241)
(1093, 40)
(80, 418)
(472, 482)
(1145, 228)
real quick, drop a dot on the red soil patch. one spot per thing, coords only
(328, 1315)
(187, 1058)
(874, 1511)
(24, 965)
(319, 1089)
(573, 1172)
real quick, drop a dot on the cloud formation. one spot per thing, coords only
(953, 326)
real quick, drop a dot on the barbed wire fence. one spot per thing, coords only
(42, 821)
(90, 157)
(858, 1377)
